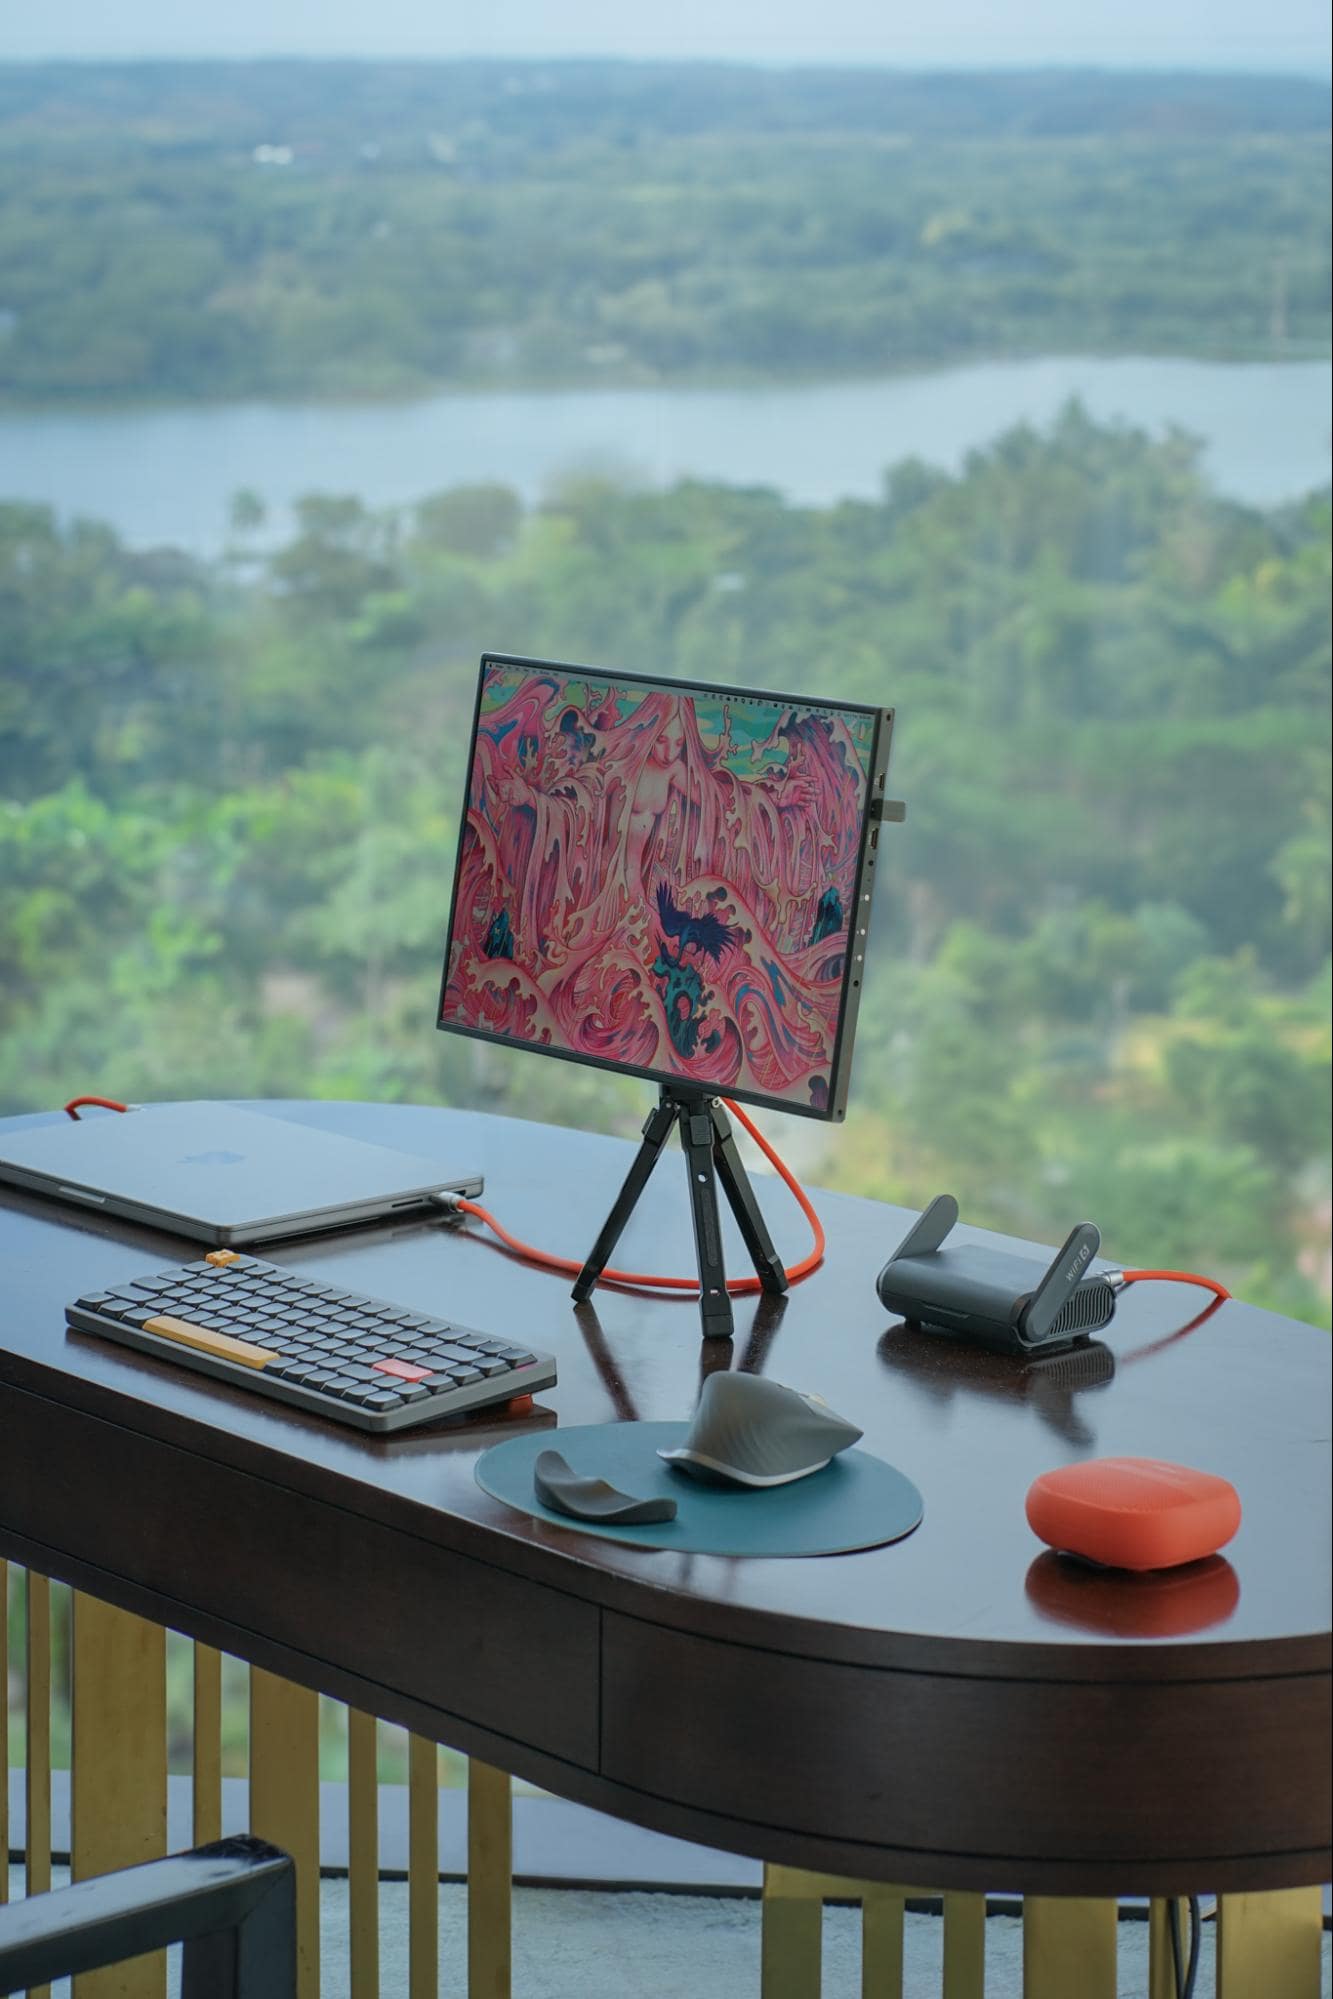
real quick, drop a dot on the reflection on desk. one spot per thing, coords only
(1150, 1603)
(940, 1368)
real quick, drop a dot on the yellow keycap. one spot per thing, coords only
(221, 1344)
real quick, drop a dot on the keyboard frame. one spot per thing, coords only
(457, 1400)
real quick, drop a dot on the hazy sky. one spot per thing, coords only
(1291, 35)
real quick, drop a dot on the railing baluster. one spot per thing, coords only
(206, 1746)
(964, 1946)
(118, 1766)
(284, 1799)
(363, 1854)
(37, 1767)
(882, 1912)
(1269, 1943)
(490, 1867)
(1069, 1945)
(423, 1869)
(791, 1946)
(4, 1731)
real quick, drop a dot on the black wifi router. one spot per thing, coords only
(992, 1296)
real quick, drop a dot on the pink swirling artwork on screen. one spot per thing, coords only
(660, 878)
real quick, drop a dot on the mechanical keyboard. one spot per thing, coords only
(360, 1360)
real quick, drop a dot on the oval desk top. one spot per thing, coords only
(970, 1597)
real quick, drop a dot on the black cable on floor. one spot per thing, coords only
(1196, 1940)
(1185, 1972)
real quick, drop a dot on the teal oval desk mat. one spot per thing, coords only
(857, 1501)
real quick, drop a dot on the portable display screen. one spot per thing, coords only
(666, 879)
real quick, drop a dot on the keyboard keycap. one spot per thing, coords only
(207, 1341)
(402, 1370)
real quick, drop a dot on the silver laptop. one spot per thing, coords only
(220, 1174)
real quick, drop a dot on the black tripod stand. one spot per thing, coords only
(710, 1155)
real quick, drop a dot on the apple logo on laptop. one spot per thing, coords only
(212, 1159)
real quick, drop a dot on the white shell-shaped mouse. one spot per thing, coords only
(754, 1432)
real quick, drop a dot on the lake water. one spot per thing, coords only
(168, 475)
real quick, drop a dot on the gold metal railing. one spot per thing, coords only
(1268, 1946)
(117, 1699)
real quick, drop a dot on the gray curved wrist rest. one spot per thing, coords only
(564, 1490)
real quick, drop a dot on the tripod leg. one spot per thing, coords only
(696, 1135)
(745, 1206)
(656, 1131)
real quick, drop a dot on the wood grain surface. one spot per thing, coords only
(962, 1709)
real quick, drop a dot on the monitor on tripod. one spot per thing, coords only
(672, 881)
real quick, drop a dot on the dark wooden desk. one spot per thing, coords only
(956, 1710)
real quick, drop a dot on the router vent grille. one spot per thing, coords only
(1088, 1309)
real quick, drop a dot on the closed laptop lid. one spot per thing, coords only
(219, 1173)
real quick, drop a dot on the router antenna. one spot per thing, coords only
(929, 1229)
(1068, 1267)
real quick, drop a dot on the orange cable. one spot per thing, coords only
(738, 1287)
(1177, 1277)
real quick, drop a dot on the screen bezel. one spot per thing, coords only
(858, 929)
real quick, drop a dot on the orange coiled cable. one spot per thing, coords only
(739, 1287)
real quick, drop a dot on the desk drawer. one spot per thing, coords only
(413, 1618)
(944, 1763)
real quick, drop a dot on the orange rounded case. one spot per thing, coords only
(1133, 1513)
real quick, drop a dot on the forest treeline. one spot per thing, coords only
(307, 229)
(1099, 975)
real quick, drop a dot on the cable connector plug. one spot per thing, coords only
(1115, 1278)
(450, 1205)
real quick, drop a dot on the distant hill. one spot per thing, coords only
(305, 229)
(173, 106)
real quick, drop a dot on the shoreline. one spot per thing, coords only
(647, 382)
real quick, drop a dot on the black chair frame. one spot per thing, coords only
(232, 1904)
